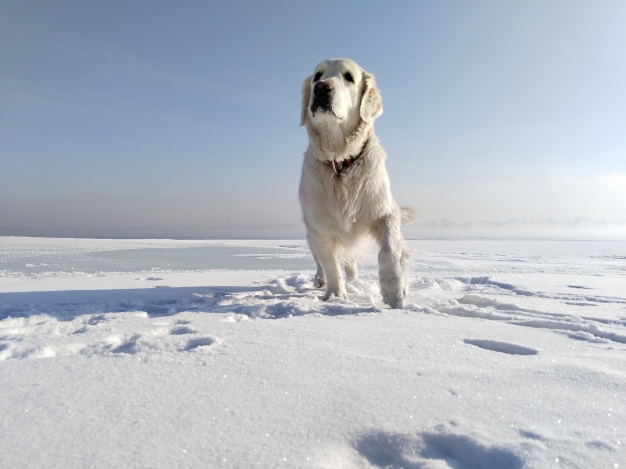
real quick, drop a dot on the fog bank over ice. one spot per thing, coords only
(578, 228)
(563, 197)
(555, 207)
(563, 207)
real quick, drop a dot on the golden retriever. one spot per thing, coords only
(344, 188)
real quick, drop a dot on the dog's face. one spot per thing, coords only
(339, 92)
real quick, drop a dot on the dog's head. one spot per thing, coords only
(340, 92)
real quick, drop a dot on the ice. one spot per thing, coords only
(164, 353)
(41, 257)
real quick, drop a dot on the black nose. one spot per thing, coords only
(323, 87)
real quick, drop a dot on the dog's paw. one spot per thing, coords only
(394, 300)
(394, 297)
(319, 282)
(339, 293)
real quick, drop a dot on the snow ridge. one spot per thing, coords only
(73, 314)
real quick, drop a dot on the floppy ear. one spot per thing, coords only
(371, 101)
(306, 95)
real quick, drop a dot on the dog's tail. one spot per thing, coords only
(408, 214)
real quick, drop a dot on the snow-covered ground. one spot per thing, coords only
(165, 354)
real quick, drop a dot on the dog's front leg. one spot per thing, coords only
(391, 259)
(325, 253)
(320, 280)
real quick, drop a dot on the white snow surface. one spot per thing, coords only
(508, 355)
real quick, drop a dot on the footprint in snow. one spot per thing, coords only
(198, 342)
(182, 330)
(138, 343)
(502, 347)
(386, 450)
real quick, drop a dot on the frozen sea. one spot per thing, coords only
(164, 353)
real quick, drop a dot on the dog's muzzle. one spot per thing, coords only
(322, 97)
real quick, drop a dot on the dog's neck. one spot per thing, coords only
(339, 166)
(331, 144)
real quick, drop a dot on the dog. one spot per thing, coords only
(344, 187)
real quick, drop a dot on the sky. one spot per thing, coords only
(181, 119)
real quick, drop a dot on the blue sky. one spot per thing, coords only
(181, 119)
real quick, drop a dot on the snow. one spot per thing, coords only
(139, 353)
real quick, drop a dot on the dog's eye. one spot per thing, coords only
(318, 75)
(348, 77)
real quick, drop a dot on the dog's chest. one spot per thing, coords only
(344, 194)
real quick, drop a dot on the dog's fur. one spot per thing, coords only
(342, 207)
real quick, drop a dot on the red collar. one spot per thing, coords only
(339, 166)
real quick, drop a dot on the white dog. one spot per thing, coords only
(344, 188)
